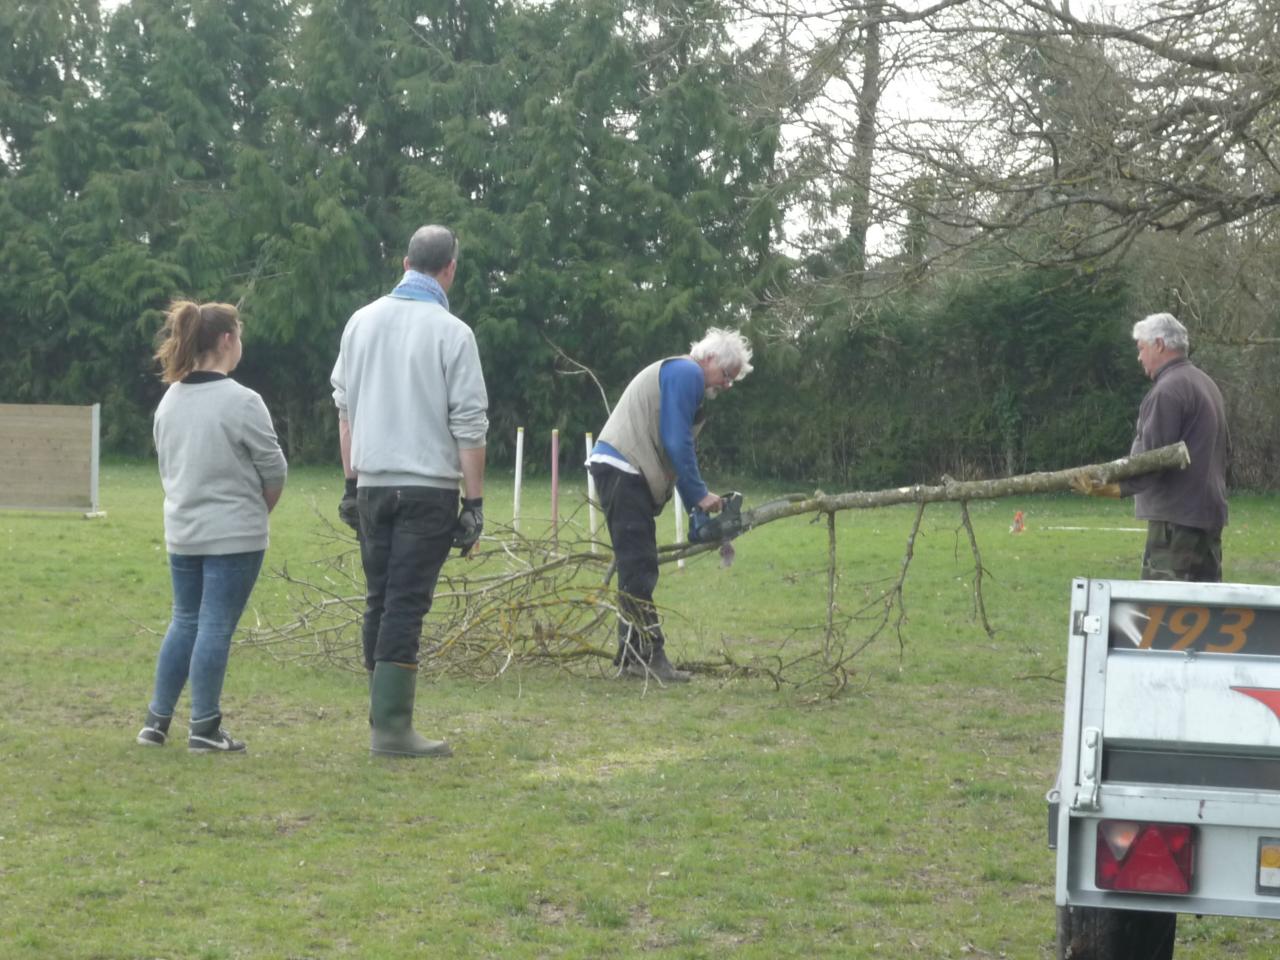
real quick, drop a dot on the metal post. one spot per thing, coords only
(95, 441)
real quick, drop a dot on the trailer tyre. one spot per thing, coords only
(1095, 933)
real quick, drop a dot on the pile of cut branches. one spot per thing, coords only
(526, 601)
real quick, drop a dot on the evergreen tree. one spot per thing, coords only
(51, 46)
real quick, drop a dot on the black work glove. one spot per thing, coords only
(466, 533)
(348, 513)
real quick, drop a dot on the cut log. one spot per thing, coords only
(1172, 457)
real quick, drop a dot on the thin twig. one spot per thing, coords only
(582, 368)
(979, 608)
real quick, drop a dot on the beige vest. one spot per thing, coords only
(634, 430)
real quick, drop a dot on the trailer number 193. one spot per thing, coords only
(1223, 629)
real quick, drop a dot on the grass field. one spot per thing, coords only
(580, 816)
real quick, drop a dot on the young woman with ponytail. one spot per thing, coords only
(222, 471)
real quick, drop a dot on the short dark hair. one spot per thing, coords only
(431, 249)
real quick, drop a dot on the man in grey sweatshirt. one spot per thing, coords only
(412, 421)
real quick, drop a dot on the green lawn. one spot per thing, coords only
(581, 816)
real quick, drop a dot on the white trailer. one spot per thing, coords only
(1168, 796)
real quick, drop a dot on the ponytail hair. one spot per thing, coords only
(191, 330)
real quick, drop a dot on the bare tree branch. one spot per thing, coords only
(579, 368)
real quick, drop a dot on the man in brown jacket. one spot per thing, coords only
(1186, 509)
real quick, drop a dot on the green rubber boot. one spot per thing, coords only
(391, 695)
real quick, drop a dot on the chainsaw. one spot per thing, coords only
(721, 527)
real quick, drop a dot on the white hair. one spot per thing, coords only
(730, 349)
(1162, 326)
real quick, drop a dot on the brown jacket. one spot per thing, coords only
(1183, 404)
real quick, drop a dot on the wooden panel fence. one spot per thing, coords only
(49, 457)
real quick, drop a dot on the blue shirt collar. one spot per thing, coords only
(420, 286)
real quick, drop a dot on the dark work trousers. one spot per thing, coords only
(1175, 552)
(405, 536)
(630, 515)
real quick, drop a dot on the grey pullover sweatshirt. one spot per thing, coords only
(409, 382)
(218, 452)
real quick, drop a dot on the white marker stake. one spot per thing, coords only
(515, 503)
(555, 486)
(591, 497)
(679, 525)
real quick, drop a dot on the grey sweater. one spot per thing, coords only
(408, 380)
(218, 452)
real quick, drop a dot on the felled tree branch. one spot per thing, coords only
(526, 601)
(1172, 457)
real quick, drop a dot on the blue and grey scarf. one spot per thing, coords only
(419, 286)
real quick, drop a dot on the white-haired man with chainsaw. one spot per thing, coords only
(645, 451)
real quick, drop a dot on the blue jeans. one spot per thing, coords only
(209, 594)
(405, 536)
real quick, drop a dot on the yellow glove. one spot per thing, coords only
(1091, 486)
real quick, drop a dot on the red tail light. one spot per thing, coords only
(1144, 857)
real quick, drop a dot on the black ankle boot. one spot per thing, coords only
(665, 671)
(207, 736)
(658, 668)
(155, 731)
